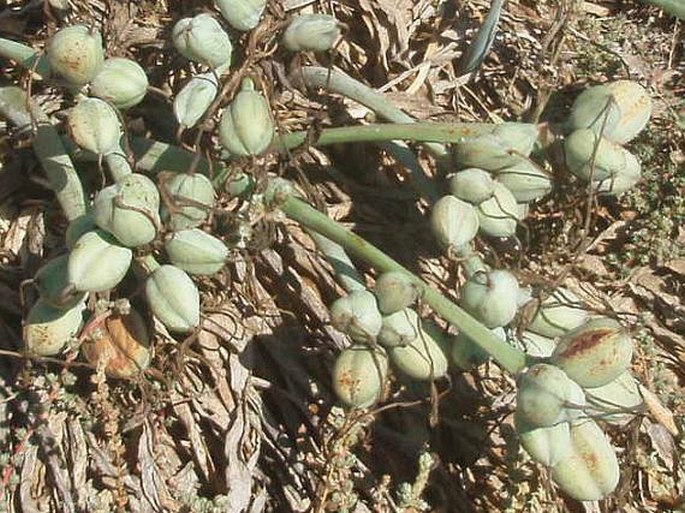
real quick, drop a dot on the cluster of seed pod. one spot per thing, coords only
(490, 192)
(384, 328)
(602, 119)
(582, 374)
(76, 55)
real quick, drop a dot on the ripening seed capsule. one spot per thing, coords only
(75, 53)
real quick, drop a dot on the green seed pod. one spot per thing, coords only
(129, 210)
(617, 402)
(537, 345)
(454, 222)
(48, 329)
(122, 82)
(312, 32)
(399, 328)
(559, 313)
(546, 445)
(594, 353)
(79, 226)
(246, 127)
(520, 137)
(546, 395)
(486, 151)
(173, 298)
(75, 53)
(192, 102)
(499, 215)
(624, 179)
(98, 262)
(635, 107)
(492, 297)
(121, 346)
(202, 39)
(466, 354)
(357, 315)
(472, 184)
(359, 375)
(525, 180)
(590, 471)
(422, 359)
(394, 291)
(52, 282)
(609, 158)
(595, 109)
(193, 199)
(94, 125)
(196, 252)
(241, 14)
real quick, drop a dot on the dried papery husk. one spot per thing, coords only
(499, 215)
(546, 396)
(241, 14)
(246, 128)
(590, 471)
(75, 53)
(635, 107)
(559, 313)
(357, 315)
(623, 180)
(129, 210)
(312, 32)
(466, 354)
(394, 291)
(423, 359)
(518, 137)
(594, 353)
(192, 199)
(98, 262)
(546, 445)
(454, 223)
(196, 252)
(617, 402)
(525, 180)
(94, 125)
(202, 39)
(359, 375)
(590, 157)
(486, 151)
(399, 328)
(48, 329)
(120, 81)
(472, 184)
(173, 298)
(121, 346)
(192, 102)
(595, 109)
(52, 282)
(491, 297)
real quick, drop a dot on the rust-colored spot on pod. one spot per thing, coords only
(121, 346)
(595, 353)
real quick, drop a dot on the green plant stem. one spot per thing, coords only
(338, 82)
(416, 132)
(25, 56)
(345, 271)
(118, 165)
(510, 358)
(47, 144)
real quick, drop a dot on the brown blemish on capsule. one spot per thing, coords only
(587, 341)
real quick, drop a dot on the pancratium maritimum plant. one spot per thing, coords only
(152, 228)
